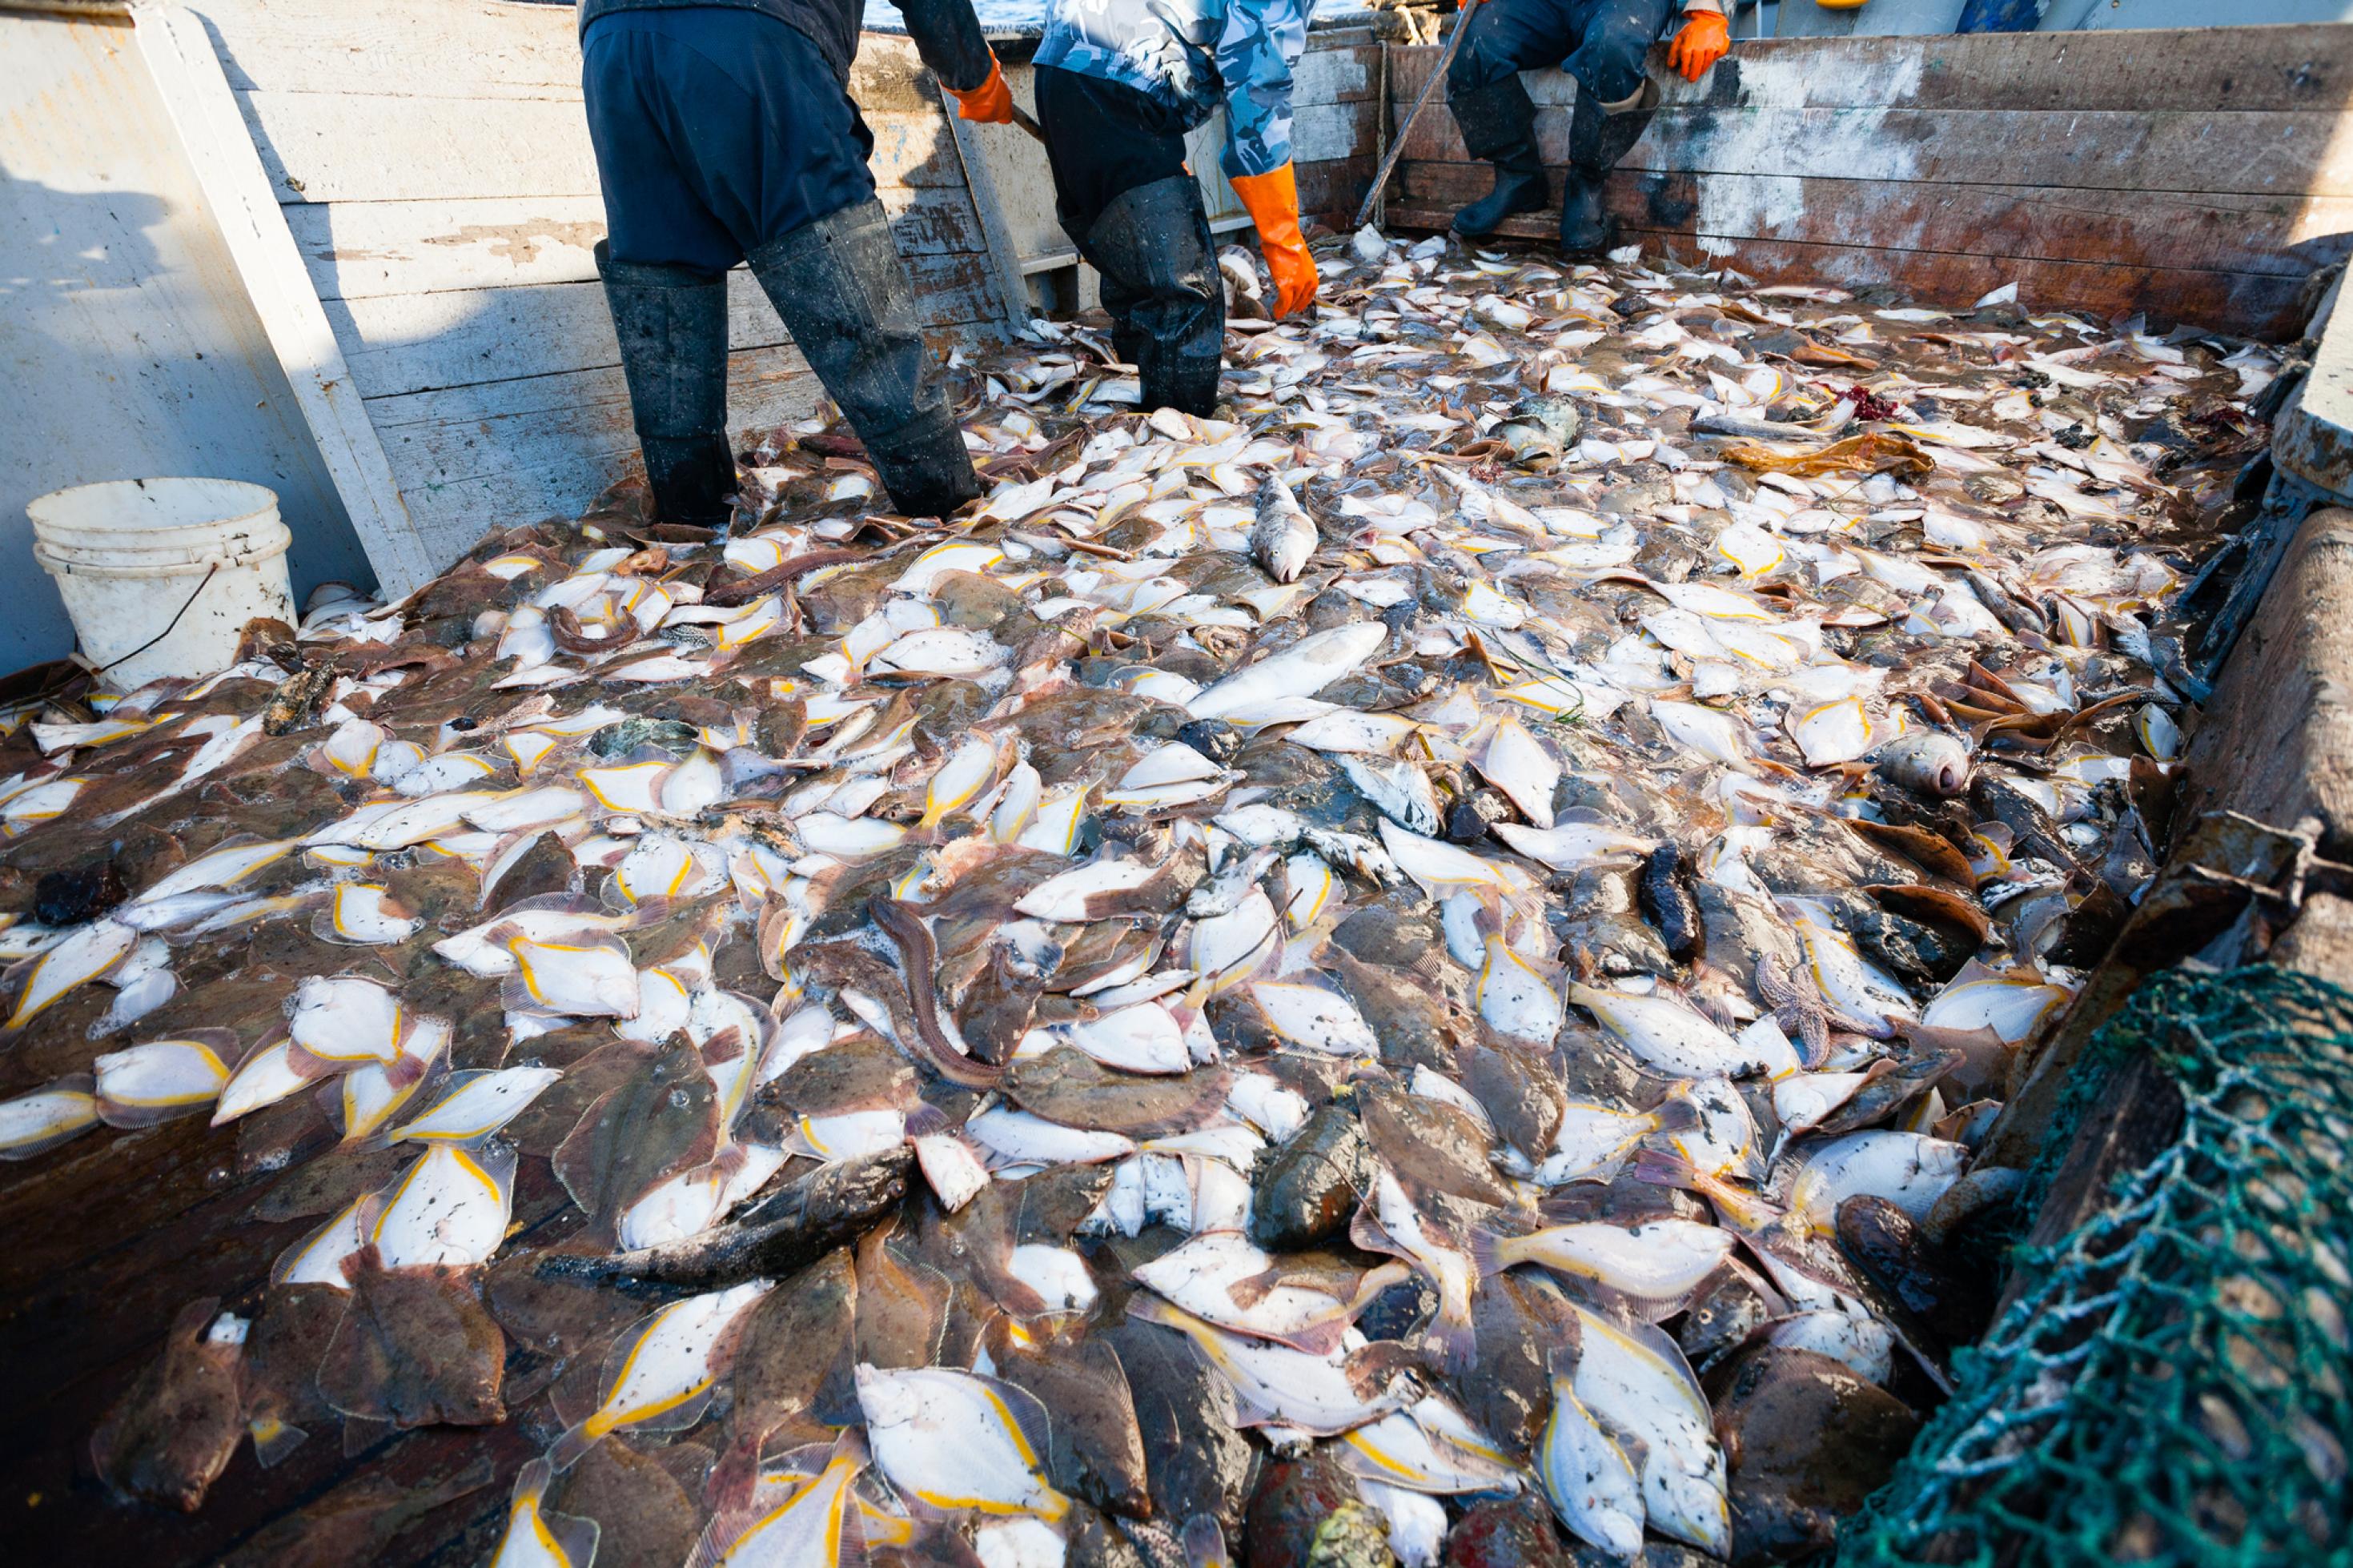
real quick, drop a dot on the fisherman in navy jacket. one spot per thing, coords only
(724, 132)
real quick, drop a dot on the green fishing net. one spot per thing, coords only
(2172, 1388)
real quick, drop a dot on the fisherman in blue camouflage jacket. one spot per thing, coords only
(1120, 83)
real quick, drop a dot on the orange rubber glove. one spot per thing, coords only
(1702, 42)
(1274, 202)
(991, 102)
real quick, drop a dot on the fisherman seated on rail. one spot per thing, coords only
(1119, 82)
(724, 132)
(1600, 43)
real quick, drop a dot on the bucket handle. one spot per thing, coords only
(159, 637)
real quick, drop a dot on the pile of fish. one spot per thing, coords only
(1410, 973)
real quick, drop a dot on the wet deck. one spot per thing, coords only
(107, 1240)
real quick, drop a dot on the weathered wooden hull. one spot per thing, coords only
(2198, 176)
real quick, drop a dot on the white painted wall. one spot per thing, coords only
(127, 347)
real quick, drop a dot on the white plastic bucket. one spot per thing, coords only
(134, 557)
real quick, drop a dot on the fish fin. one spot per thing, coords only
(575, 1536)
(1144, 1307)
(273, 1440)
(1636, 1450)
(405, 1071)
(731, 1493)
(1486, 1251)
(1633, 1308)
(1679, 1113)
(1372, 1281)
(1029, 1414)
(361, 1432)
(1320, 1338)
(532, 1481)
(1204, 1544)
(927, 1119)
(567, 1451)
(849, 1547)
(722, 1047)
(1367, 1233)
(1660, 1344)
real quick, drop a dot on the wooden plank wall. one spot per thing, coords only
(2198, 175)
(433, 162)
(1335, 126)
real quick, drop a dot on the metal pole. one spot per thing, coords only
(1388, 162)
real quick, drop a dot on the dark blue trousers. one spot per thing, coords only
(717, 129)
(1599, 42)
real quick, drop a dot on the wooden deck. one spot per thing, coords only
(107, 1240)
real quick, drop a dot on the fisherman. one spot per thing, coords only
(1119, 82)
(726, 133)
(1600, 43)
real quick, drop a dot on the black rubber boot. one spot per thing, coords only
(1596, 143)
(672, 326)
(843, 295)
(1162, 289)
(1499, 124)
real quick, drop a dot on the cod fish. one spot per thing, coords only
(1283, 537)
(785, 1232)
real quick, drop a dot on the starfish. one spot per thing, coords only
(1800, 1010)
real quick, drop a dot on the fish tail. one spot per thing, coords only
(532, 1481)
(1676, 1113)
(569, 1449)
(1453, 1337)
(1252, 1288)
(1204, 1544)
(1743, 1209)
(1492, 1252)
(1663, 1170)
(274, 1439)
